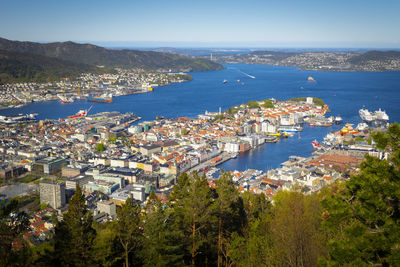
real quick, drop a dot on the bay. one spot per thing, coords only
(344, 92)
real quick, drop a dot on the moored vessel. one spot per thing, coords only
(101, 99)
(338, 120)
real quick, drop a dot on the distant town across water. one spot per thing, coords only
(345, 93)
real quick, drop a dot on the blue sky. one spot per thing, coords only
(251, 23)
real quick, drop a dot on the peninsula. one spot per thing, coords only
(324, 61)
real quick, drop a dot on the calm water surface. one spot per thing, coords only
(344, 92)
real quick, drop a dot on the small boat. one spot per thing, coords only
(224, 81)
(338, 120)
(310, 79)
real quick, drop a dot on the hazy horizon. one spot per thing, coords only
(256, 23)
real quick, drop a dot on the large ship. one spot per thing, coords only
(101, 99)
(379, 117)
(365, 115)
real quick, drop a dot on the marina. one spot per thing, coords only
(345, 93)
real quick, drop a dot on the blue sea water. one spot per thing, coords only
(344, 92)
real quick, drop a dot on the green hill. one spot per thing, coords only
(374, 55)
(25, 67)
(96, 55)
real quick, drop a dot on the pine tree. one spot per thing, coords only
(362, 216)
(129, 231)
(229, 212)
(74, 235)
(191, 201)
(253, 246)
(163, 244)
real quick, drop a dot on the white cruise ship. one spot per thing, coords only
(378, 118)
(365, 115)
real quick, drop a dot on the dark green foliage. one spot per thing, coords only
(230, 216)
(268, 104)
(128, 231)
(362, 216)
(253, 104)
(192, 213)
(163, 243)
(24, 67)
(12, 225)
(74, 235)
(96, 55)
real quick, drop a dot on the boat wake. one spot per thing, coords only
(248, 75)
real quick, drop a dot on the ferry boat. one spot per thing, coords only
(290, 128)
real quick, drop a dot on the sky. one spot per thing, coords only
(217, 23)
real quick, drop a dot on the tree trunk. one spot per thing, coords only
(193, 242)
(126, 257)
(219, 242)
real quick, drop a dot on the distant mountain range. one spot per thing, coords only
(22, 61)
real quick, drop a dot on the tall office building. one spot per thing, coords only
(52, 193)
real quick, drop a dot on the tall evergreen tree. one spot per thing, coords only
(163, 243)
(253, 247)
(229, 212)
(191, 203)
(362, 216)
(129, 232)
(74, 235)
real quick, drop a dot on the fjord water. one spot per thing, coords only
(344, 92)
